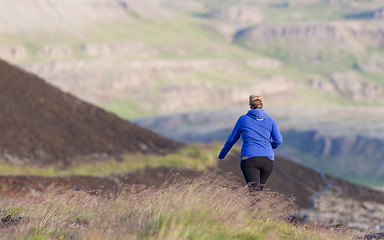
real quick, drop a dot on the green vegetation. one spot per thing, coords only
(192, 156)
(127, 109)
(207, 208)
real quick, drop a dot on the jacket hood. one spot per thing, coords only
(258, 114)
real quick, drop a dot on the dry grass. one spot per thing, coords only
(205, 208)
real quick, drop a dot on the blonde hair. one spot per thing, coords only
(256, 101)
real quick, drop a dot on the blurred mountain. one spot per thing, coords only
(147, 58)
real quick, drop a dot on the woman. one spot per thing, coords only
(260, 135)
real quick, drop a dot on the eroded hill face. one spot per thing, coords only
(145, 58)
(41, 124)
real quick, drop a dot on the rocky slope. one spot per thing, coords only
(313, 38)
(42, 124)
(337, 210)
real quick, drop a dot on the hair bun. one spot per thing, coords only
(256, 101)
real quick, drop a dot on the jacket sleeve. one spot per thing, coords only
(232, 139)
(277, 139)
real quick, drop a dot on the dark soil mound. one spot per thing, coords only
(41, 124)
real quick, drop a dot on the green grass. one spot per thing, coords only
(127, 109)
(225, 79)
(194, 156)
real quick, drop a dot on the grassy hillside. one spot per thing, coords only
(157, 59)
(204, 209)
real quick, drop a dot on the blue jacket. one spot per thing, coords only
(259, 132)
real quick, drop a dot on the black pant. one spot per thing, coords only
(256, 171)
